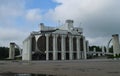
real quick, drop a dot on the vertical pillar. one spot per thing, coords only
(37, 37)
(87, 45)
(24, 50)
(47, 47)
(85, 49)
(55, 47)
(99, 54)
(29, 48)
(78, 47)
(116, 44)
(12, 51)
(103, 51)
(63, 47)
(71, 47)
(94, 51)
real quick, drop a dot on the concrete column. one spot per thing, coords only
(94, 50)
(55, 47)
(116, 44)
(103, 51)
(36, 38)
(29, 49)
(87, 45)
(71, 47)
(78, 47)
(27, 52)
(24, 50)
(99, 54)
(85, 49)
(12, 51)
(63, 47)
(47, 47)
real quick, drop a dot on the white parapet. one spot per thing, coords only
(116, 44)
(27, 52)
(46, 28)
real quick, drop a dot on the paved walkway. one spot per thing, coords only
(95, 67)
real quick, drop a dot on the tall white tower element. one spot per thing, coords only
(116, 44)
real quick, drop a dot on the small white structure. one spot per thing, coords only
(63, 43)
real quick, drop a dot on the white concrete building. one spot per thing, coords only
(63, 43)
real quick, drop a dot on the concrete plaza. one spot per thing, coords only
(94, 67)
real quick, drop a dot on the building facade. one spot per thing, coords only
(62, 43)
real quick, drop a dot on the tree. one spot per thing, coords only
(4, 52)
(98, 48)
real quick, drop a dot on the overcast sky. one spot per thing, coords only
(98, 18)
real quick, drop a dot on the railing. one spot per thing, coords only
(92, 52)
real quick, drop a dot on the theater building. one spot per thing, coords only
(65, 42)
